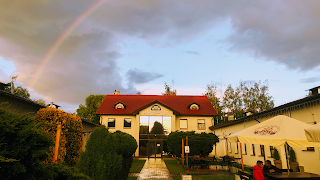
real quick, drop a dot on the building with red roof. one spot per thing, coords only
(140, 116)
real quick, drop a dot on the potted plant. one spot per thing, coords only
(277, 161)
(293, 160)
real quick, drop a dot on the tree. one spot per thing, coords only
(169, 90)
(89, 110)
(212, 94)
(71, 136)
(253, 97)
(100, 159)
(19, 91)
(157, 128)
(40, 101)
(23, 146)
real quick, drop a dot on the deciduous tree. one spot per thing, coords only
(89, 110)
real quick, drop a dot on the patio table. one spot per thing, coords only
(293, 175)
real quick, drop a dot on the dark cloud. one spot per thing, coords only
(283, 31)
(310, 80)
(192, 52)
(136, 76)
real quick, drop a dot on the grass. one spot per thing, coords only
(173, 167)
(137, 165)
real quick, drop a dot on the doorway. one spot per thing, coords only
(155, 149)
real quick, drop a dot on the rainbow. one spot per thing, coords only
(61, 38)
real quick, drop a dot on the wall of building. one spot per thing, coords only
(193, 123)
(87, 130)
(309, 159)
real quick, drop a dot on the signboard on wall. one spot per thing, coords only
(186, 149)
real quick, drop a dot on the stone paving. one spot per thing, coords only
(154, 169)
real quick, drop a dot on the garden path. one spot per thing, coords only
(154, 169)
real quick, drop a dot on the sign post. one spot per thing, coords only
(188, 151)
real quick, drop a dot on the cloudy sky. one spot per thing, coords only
(64, 50)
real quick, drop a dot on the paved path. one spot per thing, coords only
(154, 169)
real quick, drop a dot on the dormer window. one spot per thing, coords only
(194, 106)
(119, 106)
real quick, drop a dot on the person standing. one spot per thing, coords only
(257, 171)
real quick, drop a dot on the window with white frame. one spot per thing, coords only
(253, 150)
(262, 150)
(183, 124)
(127, 123)
(245, 149)
(237, 149)
(201, 124)
(111, 122)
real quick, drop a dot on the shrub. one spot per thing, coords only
(60, 171)
(276, 155)
(100, 159)
(292, 155)
(199, 144)
(71, 135)
(127, 146)
(23, 146)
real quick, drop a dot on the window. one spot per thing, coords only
(271, 151)
(253, 150)
(119, 106)
(237, 150)
(194, 106)
(111, 122)
(201, 124)
(310, 149)
(230, 148)
(262, 150)
(127, 123)
(183, 124)
(245, 149)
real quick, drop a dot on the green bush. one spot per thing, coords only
(127, 146)
(100, 159)
(23, 146)
(276, 155)
(292, 155)
(61, 172)
(199, 144)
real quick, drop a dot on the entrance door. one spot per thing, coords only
(155, 149)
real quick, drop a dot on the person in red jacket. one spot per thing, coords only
(257, 171)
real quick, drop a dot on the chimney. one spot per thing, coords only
(53, 105)
(314, 91)
(115, 92)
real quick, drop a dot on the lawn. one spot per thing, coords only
(137, 165)
(173, 167)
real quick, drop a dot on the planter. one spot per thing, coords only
(278, 164)
(294, 166)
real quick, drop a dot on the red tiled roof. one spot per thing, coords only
(135, 103)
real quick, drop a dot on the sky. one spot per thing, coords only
(64, 51)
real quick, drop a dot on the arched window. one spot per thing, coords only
(194, 106)
(119, 106)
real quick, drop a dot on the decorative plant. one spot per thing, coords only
(292, 155)
(276, 155)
